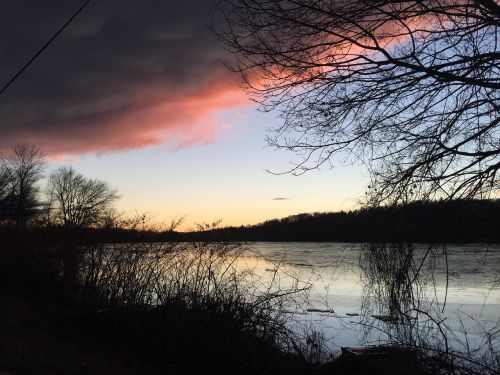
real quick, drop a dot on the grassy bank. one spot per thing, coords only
(180, 308)
(143, 308)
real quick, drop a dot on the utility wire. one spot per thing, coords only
(43, 47)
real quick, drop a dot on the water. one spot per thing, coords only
(462, 294)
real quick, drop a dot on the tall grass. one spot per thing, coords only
(189, 302)
(193, 291)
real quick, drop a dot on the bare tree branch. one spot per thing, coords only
(77, 201)
(410, 88)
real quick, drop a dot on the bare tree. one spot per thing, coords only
(4, 179)
(410, 88)
(20, 172)
(76, 201)
(4, 189)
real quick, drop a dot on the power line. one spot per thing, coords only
(43, 47)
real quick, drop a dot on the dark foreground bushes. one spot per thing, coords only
(186, 304)
(154, 308)
(160, 307)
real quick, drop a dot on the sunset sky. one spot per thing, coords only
(135, 93)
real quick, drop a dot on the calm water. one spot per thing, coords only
(331, 272)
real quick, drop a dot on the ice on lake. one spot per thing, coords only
(464, 292)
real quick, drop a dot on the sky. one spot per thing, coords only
(135, 93)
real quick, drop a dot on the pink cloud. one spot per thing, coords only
(124, 75)
(160, 116)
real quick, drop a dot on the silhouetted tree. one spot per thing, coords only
(4, 189)
(76, 201)
(20, 173)
(411, 88)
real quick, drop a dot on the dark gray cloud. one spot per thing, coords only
(124, 74)
(281, 199)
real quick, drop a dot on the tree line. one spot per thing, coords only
(458, 221)
(66, 199)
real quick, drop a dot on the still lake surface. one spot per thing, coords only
(335, 284)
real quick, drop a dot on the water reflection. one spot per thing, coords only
(447, 296)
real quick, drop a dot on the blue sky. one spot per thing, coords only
(135, 93)
(225, 179)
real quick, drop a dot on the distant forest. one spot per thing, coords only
(458, 221)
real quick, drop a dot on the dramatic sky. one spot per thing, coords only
(134, 93)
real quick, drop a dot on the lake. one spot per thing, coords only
(461, 294)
